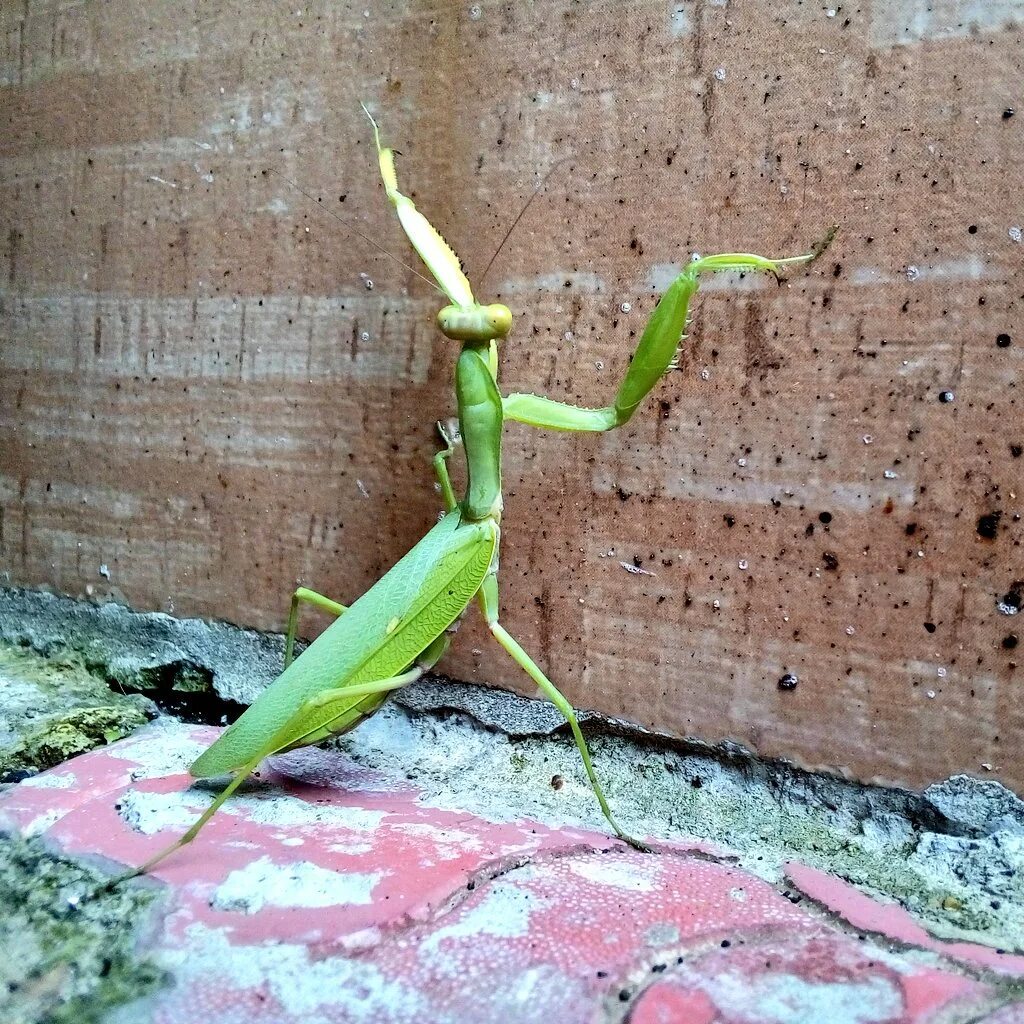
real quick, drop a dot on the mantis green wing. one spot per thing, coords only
(385, 640)
(377, 638)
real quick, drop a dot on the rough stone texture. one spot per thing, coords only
(202, 402)
(53, 710)
(156, 652)
(350, 894)
(953, 856)
(69, 950)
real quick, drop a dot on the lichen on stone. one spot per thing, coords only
(69, 944)
(52, 710)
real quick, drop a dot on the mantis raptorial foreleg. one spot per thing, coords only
(441, 470)
(654, 355)
(303, 595)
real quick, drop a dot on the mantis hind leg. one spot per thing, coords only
(489, 602)
(336, 707)
(303, 595)
(336, 711)
(239, 777)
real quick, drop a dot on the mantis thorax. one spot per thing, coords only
(475, 323)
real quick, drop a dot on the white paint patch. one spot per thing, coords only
(851, 495)
(351, 849)
(870, 275)
(579, 281)
(276, 206)
(37, 826)
(159, 749)
(786, 999)
(619, 876)
(302, 985)
(504, 912)
(662, 934)
(449, 844)
(661, 275)
(679, 23)
(899, 22)
(150, 813)
(289, 810)
(64, 780)
(300, 884)
(280, 103)
(969, 268)
(533, 986)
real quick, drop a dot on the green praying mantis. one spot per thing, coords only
(401, 627)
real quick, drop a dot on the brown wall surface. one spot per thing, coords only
(201, 398)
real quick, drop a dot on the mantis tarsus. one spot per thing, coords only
(401, 627)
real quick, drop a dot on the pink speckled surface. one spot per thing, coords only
(330, 892)
(892, 920)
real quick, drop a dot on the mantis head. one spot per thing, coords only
(475, 323)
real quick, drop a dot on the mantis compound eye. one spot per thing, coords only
(475, 323)
(500, 318)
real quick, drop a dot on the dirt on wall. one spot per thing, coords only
(210, 390)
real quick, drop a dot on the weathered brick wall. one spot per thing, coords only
(201, 398)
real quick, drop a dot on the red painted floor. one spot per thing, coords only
(328, 892)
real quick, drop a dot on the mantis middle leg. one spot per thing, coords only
(441, 469)
(303, 595)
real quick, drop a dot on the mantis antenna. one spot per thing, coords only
(519, 216)
(349, 226)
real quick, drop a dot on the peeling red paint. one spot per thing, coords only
(892, 920)
(330, 891)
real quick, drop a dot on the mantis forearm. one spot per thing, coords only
(537, 411)
(654, 356)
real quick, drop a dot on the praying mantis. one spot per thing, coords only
(401, 627)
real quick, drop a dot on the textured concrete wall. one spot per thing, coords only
(202, 402)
